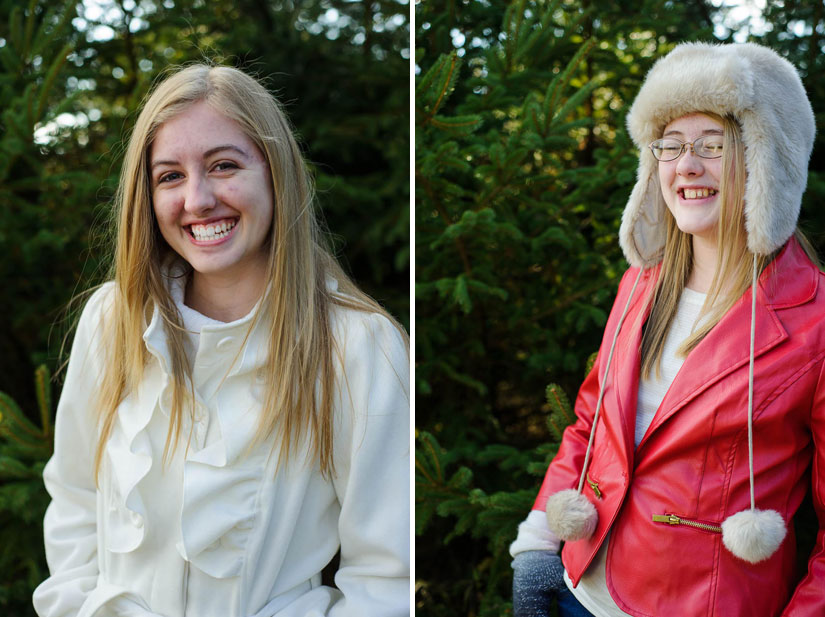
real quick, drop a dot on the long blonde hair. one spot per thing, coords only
(297, 306)
(732, 275)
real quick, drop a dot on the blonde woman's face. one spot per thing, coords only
(691, 184)
(211, 193)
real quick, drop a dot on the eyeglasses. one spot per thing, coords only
(706, 147)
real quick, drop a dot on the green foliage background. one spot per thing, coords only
(522, 169)
(340, 67)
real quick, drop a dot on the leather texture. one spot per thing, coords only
(693, 460)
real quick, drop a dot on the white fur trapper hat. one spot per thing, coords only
(764, 93)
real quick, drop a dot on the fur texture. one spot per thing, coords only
(753, 535)
(571, 516)
(764, 93)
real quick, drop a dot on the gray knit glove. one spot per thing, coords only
(537, 576)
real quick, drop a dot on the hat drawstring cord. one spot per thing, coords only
(570, 515)
(602, 386)
(750, 380)
(753, 535)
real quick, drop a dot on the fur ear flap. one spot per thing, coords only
(753, 535)
(571, 516)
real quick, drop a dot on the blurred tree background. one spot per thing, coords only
(523, 167)
(71, 77)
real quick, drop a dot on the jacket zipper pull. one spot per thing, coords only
(672, 519)
(595, 487)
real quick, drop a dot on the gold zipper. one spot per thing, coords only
(595, 487)
(672, 519)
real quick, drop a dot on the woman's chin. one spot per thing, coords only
(698, 226)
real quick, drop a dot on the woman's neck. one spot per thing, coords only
(705, 254)
(224, 298)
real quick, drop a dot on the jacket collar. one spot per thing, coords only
(243, 342)
(790, 280)
(230, 337)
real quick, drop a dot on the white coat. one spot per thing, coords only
(218, 532)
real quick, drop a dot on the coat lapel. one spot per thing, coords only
(719, 354)
(789, 281)
(627, 364)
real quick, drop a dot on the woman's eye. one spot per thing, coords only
(224, 166)
(173, 175)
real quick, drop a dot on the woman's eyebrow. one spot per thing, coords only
(206, 155)
(705, 132)
(223, 147)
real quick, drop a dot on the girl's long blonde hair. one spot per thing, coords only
(734, 265)
(297, 306)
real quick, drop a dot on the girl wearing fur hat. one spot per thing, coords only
(702, 425)
(235, 410)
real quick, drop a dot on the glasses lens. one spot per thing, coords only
(709, 147)
(666, 149)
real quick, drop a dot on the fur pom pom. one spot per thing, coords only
(570, 515)
(753, 535)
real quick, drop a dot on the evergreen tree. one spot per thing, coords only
(24, 448)
(523, 168)
(38, 229)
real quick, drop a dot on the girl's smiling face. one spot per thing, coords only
(211, 193)
(691, 184)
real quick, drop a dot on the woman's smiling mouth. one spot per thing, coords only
(209, 232)
(702, 192)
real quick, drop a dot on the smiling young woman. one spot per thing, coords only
(212, 197)
(235, 409)
(701, 426)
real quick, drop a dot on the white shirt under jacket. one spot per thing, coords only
(216, 531)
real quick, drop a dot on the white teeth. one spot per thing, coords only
(212, 231)
(698, 193)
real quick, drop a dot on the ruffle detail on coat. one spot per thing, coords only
(129, 448)
(220, 499)
(129, 451)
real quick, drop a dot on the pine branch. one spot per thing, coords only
(51, 75)
(437, 83)
(43, 392)
(562, 81)
(30, 20)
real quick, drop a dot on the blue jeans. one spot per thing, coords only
(538, 578)
(569, 606)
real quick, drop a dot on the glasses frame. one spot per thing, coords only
(685, 145)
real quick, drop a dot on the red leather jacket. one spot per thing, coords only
(693, 460)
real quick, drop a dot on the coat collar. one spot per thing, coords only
(243, 343)
(790, 280)
(232, 335)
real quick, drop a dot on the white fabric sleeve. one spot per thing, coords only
(73, 588)
(534, 535)
(372, 471)
(70, 524)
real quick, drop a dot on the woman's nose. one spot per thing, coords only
(199, 196)
(689, 163)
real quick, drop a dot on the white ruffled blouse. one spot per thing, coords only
(216, 531)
